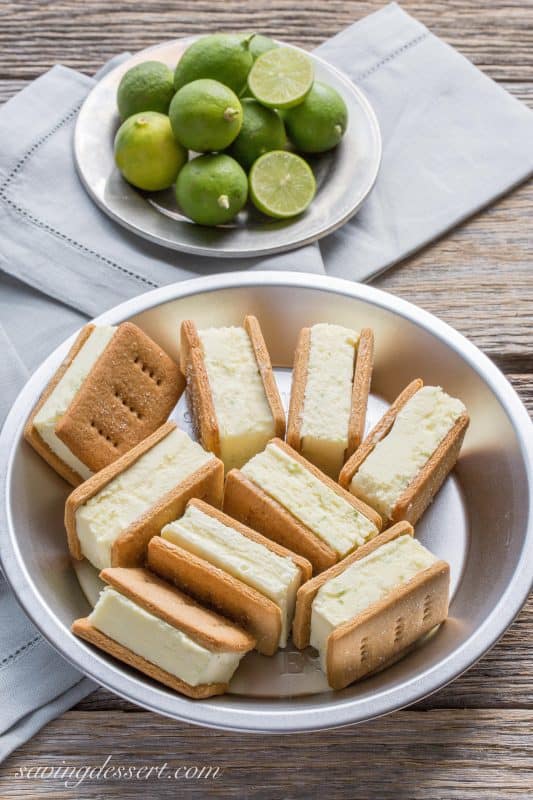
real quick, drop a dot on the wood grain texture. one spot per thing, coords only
(472, 739)
(458, 755)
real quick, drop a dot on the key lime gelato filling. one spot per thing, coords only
(243, 413)
(328, 396)
(396, 460)
(133, 492)
(274, 576)
(332, 518)
(161, 644)
(364, 583)
(56, 405)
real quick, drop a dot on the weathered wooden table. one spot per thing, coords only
(473, 738)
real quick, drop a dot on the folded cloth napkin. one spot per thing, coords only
(453, 141)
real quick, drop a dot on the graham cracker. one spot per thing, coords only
(84, 629)
(264, 365)
(378, 432)
(384, 631)
(299, 380)
(127, 395)
(247, 502)
(301, 626)
(417, 496)
(32, 435)
(215, 587)
(363, 364)
(182, 612)
(199, 389)
(129, 548)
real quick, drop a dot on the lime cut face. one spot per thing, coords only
(281, 184)
(281, 78)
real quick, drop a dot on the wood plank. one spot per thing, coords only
(34, 35)
(460, 754)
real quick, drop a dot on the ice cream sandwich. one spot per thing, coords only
(366, 611)
(290, 501)
(153, 627)
(403, 462)
(115, 387)
(329, 394)
(112, 516)
(233, 569)
(232, 392)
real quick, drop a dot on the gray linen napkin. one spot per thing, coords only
(453, 141)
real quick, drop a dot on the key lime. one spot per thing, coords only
(220, 56)
(281, 184)
(145, 87)
(281, 78)
(212, 189)
(146, 152)
(260, 44)
(262, 130)
(319, 123)
(205, 115)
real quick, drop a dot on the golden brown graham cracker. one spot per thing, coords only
(216, 589)
(127, 395)
(385, 631)
(299, 561)
(301, 627)
(247, 502)
(199, 389)
(420, 492)
(84, 629)
(227, 594)
(363, 364)
(264, 365)
(32, 435)
(382, 633)
(299, 380)
(129, 548)
(169, 604)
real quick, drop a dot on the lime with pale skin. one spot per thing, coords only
(262, 130)
(281, 184)
(319, 123)
(148, 86)
(205, 116)
(281, 77)
(146, 152)
(220, 56)
(212, 189)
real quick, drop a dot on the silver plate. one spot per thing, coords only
(344, 176)
(479, 522)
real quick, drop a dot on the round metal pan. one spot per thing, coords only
(480, 521)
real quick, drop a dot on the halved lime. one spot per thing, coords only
(281, 78)
(281, 184)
